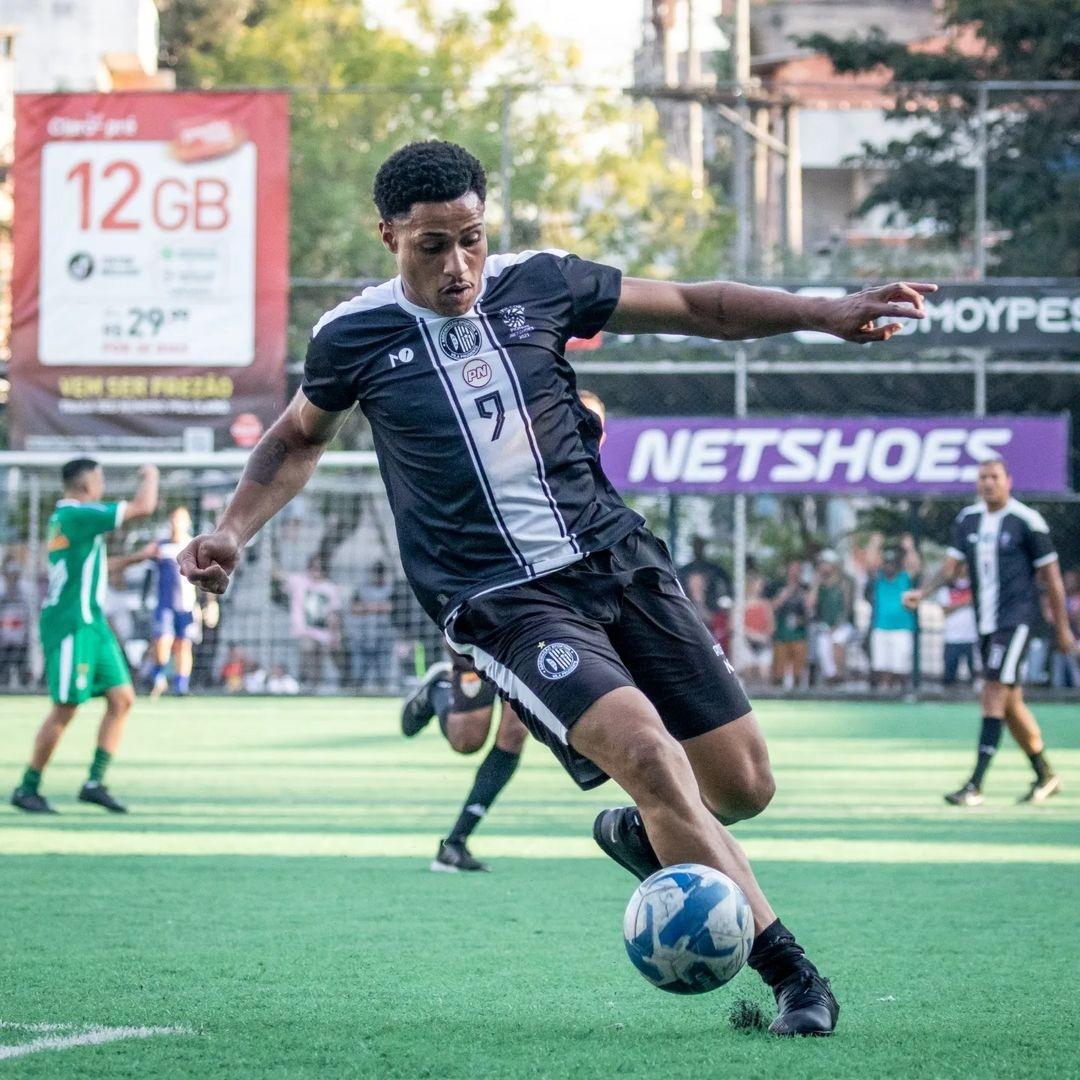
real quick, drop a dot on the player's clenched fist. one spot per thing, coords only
(209, 560)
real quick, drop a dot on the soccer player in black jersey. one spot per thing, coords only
(515, 541)
(1008, 548)
(464, 703)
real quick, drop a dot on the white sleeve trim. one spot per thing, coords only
(121, 509)
(1046, 560)
(954, 554)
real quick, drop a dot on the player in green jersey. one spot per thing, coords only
(83, 659)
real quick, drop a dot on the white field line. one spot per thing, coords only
(92, 1035)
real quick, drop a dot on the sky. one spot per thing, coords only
(607, 31)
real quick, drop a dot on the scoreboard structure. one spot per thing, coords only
(150, 285)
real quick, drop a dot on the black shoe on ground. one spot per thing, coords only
(968, 795)
(1041, 790)
(31, 802)
(805, 1005)
(416, 713)
(98, 794)
(620, 834)
(454, 856)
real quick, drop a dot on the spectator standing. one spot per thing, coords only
(233, 670)
(1065, 667)
(831, 601)
(314, 618)
(791, 614)
(892, 625)
(16, 613)
(758, 627)
(369, 627)
(703, 577)
(961, 632)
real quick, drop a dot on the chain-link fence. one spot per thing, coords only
(320, 605)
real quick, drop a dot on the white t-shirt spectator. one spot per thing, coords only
(960, 628)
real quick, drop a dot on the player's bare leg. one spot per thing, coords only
(623, 734)
(731, 764)
(162, 648)
(466, 732)
(1025, 730)
(182, 663)
(26, 796)
(118, 703)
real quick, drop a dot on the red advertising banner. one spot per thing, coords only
(150, 285)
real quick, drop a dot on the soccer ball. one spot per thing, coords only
(688, 929)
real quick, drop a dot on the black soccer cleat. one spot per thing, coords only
(968, 795)
(454, 856)
(620, 834)
(805, 1005)
(31, 802)
(1041, 790)
(98, 794)
(417, 712)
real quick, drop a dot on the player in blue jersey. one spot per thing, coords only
(176, 612)
(1008, 549)
(513, 538)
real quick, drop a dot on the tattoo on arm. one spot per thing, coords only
(266, 460)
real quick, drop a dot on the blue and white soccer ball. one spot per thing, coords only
(688, 929)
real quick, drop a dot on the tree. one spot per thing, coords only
(1033, 138)
(572, 184)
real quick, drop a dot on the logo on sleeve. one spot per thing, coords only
(557, 660)
(459, 339)
(514, 320)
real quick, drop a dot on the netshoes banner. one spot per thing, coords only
(833, 456)
(150, 282)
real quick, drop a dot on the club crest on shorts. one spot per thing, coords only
(459, 339)
(557, 660)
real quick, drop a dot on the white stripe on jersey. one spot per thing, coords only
(67, 663)
(497, 431)
(374, 296)
(1012, 655)
(986, 554)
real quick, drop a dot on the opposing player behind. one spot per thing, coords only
(83, 659)
(512, 537)
(1008, 549)
(176, 611)
(464, 703)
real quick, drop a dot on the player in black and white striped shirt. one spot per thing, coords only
(1008, 551)
(515, 541)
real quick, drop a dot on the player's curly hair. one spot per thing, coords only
(433, 171)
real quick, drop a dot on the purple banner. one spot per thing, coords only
(837, 456)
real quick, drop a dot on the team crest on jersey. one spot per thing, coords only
(514, 320)
(557, 660)
(477, 372)
(459, 339)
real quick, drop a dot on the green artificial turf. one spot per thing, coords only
(269, 894)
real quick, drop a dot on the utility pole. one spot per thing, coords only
(741, 184)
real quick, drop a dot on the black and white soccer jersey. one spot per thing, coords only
(491, 464)
(1003, 549)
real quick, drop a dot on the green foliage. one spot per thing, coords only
(589, 171)
(1033, 138)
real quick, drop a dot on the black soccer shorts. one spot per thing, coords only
(555, 645)
(1003, 654)
(471, 691)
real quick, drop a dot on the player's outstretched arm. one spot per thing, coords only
(278, 468)
(144, 502)
(726, 309)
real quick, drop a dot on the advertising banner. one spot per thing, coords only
(838, 456)
(150, 283)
